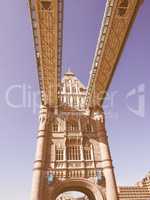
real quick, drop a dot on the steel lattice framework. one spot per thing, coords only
(47, 23)
(118, 18)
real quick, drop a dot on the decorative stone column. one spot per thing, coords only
(108, 171)
(38, 169)
(82, 150)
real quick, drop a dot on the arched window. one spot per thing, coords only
(122, 7)
(73, 149)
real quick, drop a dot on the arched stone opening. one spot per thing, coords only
(72, 195)
(91, 190)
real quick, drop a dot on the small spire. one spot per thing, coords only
(69, 72)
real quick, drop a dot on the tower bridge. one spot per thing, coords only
(72, 152)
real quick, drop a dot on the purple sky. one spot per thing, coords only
(128, 129)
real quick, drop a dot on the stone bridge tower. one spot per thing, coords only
(72, 149)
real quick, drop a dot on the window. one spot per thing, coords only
(62, 89)
(55, 127)
(73, 149)
(68, 89)
(74, 100)
(80, 103)
(82, 90)
(72, 126)
(59, 153)
(73, 152)
(88, 128)
(67, 100)
(87, 152)
(73, 89)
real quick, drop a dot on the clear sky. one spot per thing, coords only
(127, 111)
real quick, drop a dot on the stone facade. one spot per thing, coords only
(72, 148)
(73, 152)
(141, 191)
(73, 92)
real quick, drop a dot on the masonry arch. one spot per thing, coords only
(93, 191)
